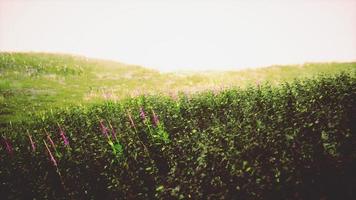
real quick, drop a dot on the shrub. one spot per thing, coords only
(294, 141)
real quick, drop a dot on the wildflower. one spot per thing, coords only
(53, 145)
(142, 114)
(104, 130)
(8, 146)
(155, 118)
(113, 132)
(65, 139)
(131, 121)
(50, 154)
(258, 82)
(31, 141)
(50, 140)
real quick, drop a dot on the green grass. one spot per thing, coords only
(35, 82)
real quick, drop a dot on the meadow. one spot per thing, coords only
(78, 128)
(35, 82)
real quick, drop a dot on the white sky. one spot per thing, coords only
(184, 34)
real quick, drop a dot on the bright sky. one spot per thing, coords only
(184, 34)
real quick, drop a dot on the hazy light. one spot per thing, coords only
(182, 34)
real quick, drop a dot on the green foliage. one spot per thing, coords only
(37, 82)
(292, 141)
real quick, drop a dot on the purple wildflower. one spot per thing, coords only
(132, 122)
(155, 118)
(8, 146)
(113, 132)
(61, 132)
(51, 141)
(50, 154)
(32, 143)
(142, 114)
(104, 130)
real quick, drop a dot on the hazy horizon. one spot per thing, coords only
(183, 35)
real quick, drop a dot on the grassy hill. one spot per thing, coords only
(33, 82)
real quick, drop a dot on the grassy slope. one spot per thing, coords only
(31, 82)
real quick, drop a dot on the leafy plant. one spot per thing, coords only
(292, 141)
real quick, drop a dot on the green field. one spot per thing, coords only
(78, 128)
(33, 82)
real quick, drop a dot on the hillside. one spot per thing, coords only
(33, 82)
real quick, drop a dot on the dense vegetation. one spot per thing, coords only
(33, 82)
(292, 141)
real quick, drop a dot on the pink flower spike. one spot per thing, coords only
(50, 154)
(113, 132)
(104, 130)
(155, 118)
(65, 139)
(142, 114)
(32, 143)
(132, 122)
(8, 146)
(51, 141)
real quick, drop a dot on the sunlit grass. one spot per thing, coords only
(32, 82)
